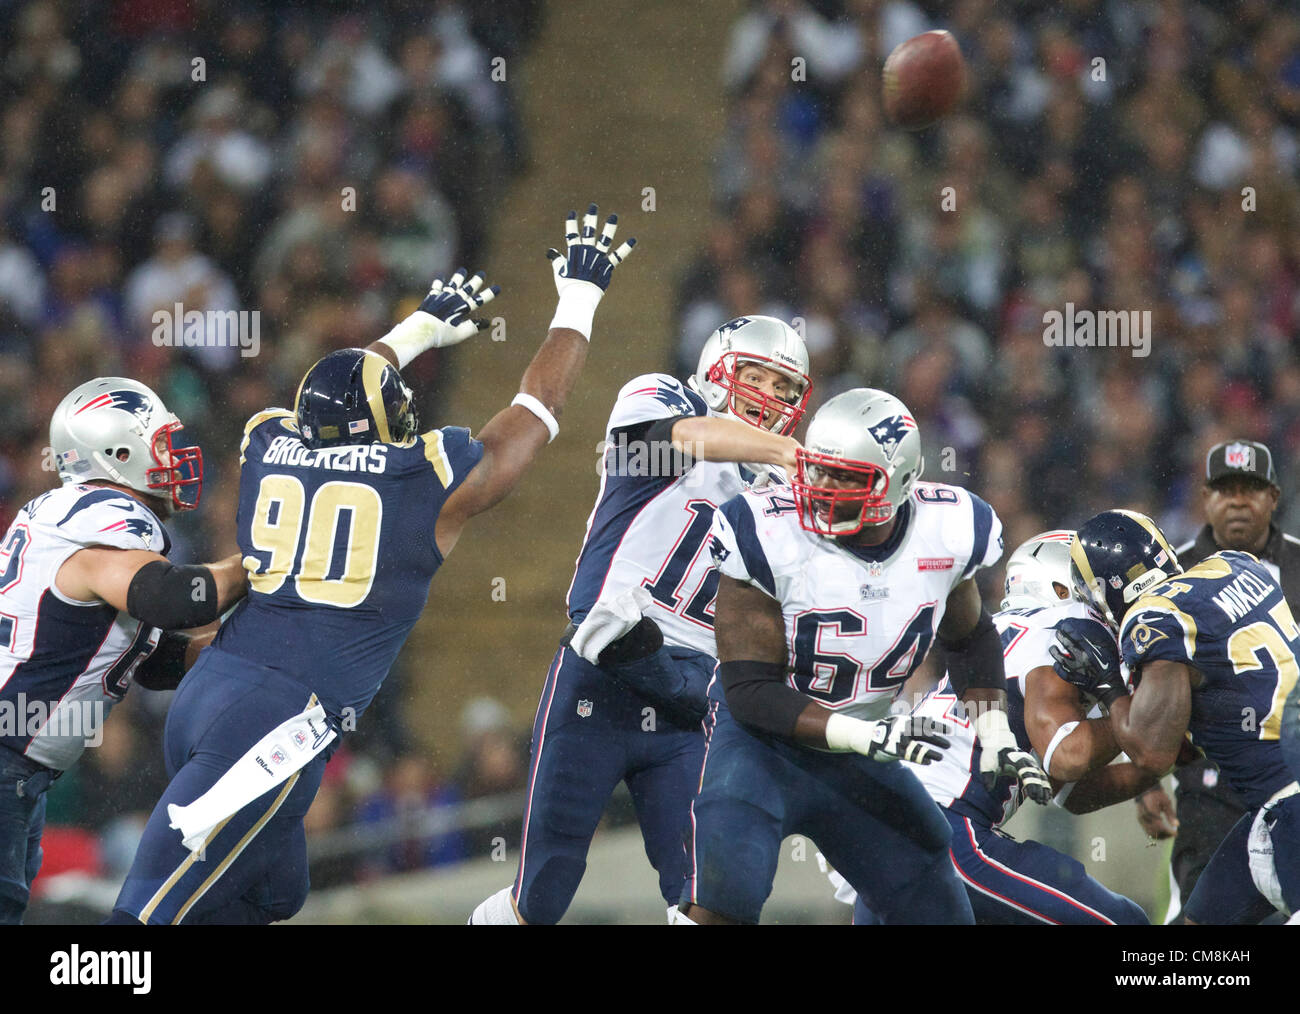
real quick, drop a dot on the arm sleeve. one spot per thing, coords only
(976, 661)
(760, 699)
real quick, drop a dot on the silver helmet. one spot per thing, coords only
(1036, 569)
(766, 342)
(117, 429)
(864, 437)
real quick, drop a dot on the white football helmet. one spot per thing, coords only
(1037, 569)
(864, 436)
(767, 342)
(117, 429)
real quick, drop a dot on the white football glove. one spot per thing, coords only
(609, 619)
(898, 737)
(1000, 754)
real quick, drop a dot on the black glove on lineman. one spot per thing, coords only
(1085, 659)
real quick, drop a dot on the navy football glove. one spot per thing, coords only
(589, 257)
(452, 303)
(1088, 661)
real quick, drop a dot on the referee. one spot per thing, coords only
(1239, 498)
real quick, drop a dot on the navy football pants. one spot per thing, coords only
(874, 822)
(589, 735)
(1027, 883)
(1226, 893)
(254, 866)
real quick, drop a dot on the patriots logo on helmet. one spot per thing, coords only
(733, 325)
(889, 433)
(128, 401)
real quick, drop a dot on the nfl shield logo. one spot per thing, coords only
(278, 756)
(1116, 581)
(584, 709)
(1239, 456)
(875, 569)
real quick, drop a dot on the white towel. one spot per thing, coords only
(272, 759)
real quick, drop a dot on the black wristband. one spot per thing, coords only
(172, 598)
(165, 668)
(759, 697)
(975, 661)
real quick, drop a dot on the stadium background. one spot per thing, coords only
(754, 183)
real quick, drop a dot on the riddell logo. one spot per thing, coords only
(934, 562)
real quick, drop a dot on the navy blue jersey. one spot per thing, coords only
(1227, 619)
(339, 546)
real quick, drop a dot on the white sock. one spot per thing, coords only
(496, 911)
(675, 918)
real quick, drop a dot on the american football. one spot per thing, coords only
(924, 79)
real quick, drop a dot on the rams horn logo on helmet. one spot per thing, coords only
(888, 433)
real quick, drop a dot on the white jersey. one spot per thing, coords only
(63, 663)
(858, 621)
(652, 517)
(953, 781)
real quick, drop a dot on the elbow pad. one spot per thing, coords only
(975, 661)
(165, 667)
(760, 699)
(173, 598)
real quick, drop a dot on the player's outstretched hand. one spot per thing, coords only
(904, 737)
(1000, 754)
(1087, 661)
(451, 305)
(583, 272)
(442, 318)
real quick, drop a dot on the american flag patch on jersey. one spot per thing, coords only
(358, 425)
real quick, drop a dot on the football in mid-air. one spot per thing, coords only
(924, 78)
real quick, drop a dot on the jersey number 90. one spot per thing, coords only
(328, 567)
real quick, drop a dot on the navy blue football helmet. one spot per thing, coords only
(1115, 557)
(355, 397)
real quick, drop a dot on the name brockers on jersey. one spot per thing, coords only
(289, 450)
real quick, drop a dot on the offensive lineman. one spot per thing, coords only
(1008, 881)
(831, 593)
(86, 593)
(346, 512)
(1211, 652)
(644, 554)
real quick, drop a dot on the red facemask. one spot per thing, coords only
(723, 373)
(182, 469)
(819, 506)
